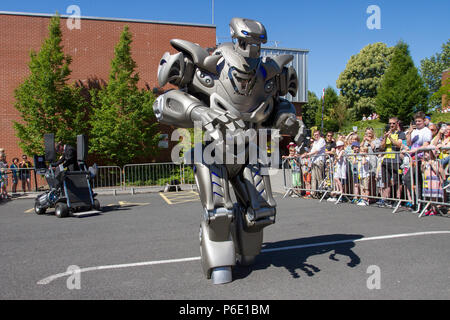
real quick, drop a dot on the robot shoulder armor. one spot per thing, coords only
(274, 65)
(199, 55)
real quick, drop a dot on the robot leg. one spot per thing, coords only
(216, 242)
(255, 210)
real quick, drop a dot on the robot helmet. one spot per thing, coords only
(249, 35)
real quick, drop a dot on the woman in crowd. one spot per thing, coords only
(14, 175)
(24, 174)
(3, 176)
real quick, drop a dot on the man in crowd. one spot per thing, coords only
(391, 142)
(330, 144)
(418, 137)
(317, 160)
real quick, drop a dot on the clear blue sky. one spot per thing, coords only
(333, 30)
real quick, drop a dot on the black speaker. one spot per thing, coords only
(82, 147)
(49, 144)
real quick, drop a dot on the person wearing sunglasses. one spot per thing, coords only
(392, 142)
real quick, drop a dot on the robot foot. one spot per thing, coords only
(221, 275)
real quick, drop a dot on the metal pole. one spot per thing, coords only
(323, 107)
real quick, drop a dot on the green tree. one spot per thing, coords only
(124, 127)
(331, 100)
(431, 70)
(47, 104)
(309, 110)
(360, 80)
(402, 91)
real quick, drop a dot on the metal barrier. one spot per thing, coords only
(154, 175)
(108, 177)
(307, 175)
(432, 179)
(382, 176)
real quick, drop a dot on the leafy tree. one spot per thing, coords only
(431, 70)
(402, 91)
(123, 124)
(331, 100)
(360, 80)
(47, 104)
(309, 110)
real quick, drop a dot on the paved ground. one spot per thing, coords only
(314, 251)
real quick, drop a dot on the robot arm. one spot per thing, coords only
(181, 109)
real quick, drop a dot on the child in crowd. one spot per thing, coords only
(306, 169)
(295, 168)
(340, 170)
(433, 174)
(355, 175)
(364, 176)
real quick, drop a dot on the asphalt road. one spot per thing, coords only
(146, 247)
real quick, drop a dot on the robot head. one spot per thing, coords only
(249, 35)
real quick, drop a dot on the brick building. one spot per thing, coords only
(91, 48)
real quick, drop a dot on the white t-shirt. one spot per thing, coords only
(420, 136)
(319, 146)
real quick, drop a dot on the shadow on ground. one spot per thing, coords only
(295, 260)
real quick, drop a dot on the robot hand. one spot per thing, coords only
(287, 124)
(214, 121)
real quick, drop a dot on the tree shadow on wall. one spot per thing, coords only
(295, 259)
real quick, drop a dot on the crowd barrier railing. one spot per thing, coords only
(108, 177)
(432, 179)
(302, 175)
(156, 175)
(131, 176)
(396, 177)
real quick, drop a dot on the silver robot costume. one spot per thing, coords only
(232, 89)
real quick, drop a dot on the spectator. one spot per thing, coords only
(350, 139)
(427, 121)
(443, 141)
(317, 161)
(354, 161)
(340, 170)
(24, 173)
(372, 144)
(3, 175)
(295, 166)
(364, 176)
(392, 142)
(433, 174)
(418, 136)
(406, 176)
(435, 136)
(14, 173)
(330, 144)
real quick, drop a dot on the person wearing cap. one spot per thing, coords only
(317, 159)
(392, 141)
(427, 121)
